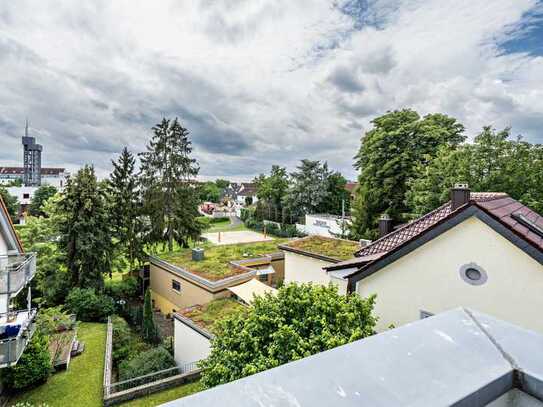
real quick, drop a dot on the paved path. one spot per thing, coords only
(244, 236)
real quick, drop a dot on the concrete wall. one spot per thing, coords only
(305, 269)
(168, 300)
(189, 345)
(322, 225)
(428, 279)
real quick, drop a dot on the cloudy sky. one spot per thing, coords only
(259, 82)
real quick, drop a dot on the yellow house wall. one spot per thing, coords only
(167, 299)
(428, 279)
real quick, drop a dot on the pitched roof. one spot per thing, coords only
(498, 205)
(7, 224)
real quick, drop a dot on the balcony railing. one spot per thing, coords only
(16, 272)
(17, 329)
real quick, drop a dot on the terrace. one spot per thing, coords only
(218, 262)
(16, 329)
(324, 248)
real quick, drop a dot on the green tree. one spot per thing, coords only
(300, 321)
(210, 192)
(126, 208)
(389, 156)
(338, 198)
(308, 189)
(41, 196)
(222, 183)
(11, 202)
(493, 162)
(167, 177)
(34, 366)
(149, 329)
(85, 232)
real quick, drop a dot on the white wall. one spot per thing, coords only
(428, 279)
(327, 226)
(189, 345)
(305, 269)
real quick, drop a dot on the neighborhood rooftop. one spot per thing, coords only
(320, 246)
(460, 357)
(206, 316)
(216, 264)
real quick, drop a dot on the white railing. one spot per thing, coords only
(16, 272)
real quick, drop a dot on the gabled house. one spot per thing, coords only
(479, 250)
(16, 271)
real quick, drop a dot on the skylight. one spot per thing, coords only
(528, 223)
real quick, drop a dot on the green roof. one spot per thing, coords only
(207, 315)
(215, 265)
(338, 249)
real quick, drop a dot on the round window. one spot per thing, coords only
(473, 274)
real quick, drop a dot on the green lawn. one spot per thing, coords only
(81, 384)
(165, 396)
(225, 227)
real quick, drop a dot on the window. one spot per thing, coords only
(176, 286)
(26, 196)
(425, 314)
(523, 220)
(473, 274)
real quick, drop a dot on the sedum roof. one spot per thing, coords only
(326, 247)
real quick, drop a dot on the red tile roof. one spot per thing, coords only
(20, 170)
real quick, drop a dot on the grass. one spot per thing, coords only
(166, 395)
(207, 315)
(81, 384)
(215, 265)
(225, 228)
(325, 246)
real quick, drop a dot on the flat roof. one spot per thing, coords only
(216, 264)
(459, 357)
(327, 248)
(206, 316)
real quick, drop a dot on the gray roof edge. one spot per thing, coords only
(191, 324)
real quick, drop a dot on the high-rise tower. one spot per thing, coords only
(31, 160)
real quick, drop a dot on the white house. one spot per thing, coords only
(306, 258)
(56, 177)
(480, 250)
(325, 225)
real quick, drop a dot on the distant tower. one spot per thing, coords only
(32, 160)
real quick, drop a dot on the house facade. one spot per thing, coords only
(480, 250)
(56, 177)
(17, 269)
(325, 225)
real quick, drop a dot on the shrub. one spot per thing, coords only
(126, 343)
(147, 362)
(52, 320)
(89, 305)
(33, 367)
(126, 289)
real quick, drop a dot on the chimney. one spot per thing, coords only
(385, 225)
(459, 195)
(197, 254)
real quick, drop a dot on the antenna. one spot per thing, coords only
(26, 127)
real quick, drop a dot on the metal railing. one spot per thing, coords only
(12, 348)
(16, 272)
(151, 377)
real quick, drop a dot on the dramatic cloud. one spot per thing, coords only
(259, 82)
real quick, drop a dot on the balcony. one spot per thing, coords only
(16, 272)
(16, 329)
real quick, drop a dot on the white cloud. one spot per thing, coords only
(256, 81)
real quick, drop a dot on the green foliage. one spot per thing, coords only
(492, 163)
(150, 361)
(34, 366)
(125, 289)
(52, 320)
(210, 192)
(89, 305)
(273, 188)
(126, 343)
(222, 183)
(391, 155)
(149, 330)
(300, 321)
(125, 208)
(85, 232)
(41, 196)
(167, 178)
(11, 202)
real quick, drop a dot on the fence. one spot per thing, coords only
(130, 389)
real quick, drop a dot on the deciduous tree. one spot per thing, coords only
(41, 195)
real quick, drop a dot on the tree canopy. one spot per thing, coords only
(11, 202)
(390, 155)
(167, 178)
(300, 321)
(41, 195)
